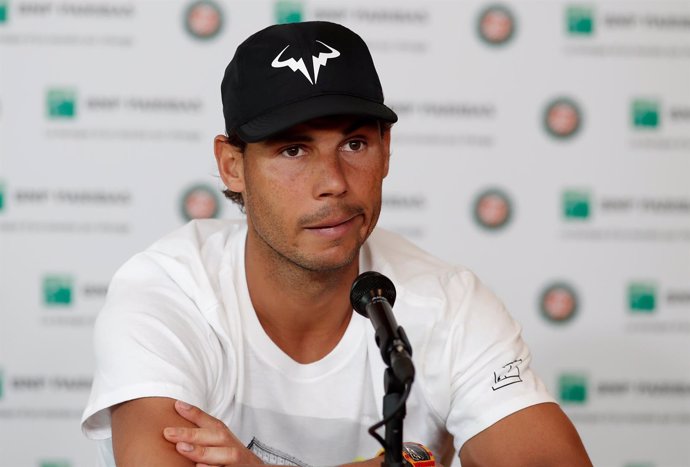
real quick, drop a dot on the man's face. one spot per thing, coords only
(313, 193)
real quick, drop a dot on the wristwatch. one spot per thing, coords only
(415, 455)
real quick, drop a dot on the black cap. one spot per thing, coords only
(290, 73)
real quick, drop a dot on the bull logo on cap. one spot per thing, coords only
(299, 65)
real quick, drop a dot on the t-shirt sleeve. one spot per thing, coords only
(491, 376)
(150, 340)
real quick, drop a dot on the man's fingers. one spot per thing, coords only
(214, 455)
(196, 415)
(202, 419)
(212, 444)
(202, 436)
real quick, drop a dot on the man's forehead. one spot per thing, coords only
(344, 123)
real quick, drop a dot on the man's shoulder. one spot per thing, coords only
(198, 236)
(388, 249)
(201, 244)
(412, 269)
(187, 260)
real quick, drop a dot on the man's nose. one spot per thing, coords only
(330, 177)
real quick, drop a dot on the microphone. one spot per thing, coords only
(372, 296)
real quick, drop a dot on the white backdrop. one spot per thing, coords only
(544, 144)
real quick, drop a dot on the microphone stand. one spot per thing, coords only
(394, 427)
(397, 381)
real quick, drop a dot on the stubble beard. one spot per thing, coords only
(271, 235)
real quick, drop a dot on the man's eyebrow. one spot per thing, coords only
(287, 137)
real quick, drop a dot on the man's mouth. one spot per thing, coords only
(335, 227)
(332, 222)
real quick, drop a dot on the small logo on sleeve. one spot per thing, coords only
(507, 375)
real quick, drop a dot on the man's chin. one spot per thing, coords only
(328, 261)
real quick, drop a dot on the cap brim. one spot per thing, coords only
(290, 115)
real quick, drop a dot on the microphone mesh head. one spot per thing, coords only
(368, 285)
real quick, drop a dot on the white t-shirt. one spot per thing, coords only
(178, 322)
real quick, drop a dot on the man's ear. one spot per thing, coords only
(230, 160)
(386, 137)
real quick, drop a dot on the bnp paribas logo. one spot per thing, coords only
(576, 204)
(642, 297)
(562, 118)
(61, 103)
(496, 25)
(203, 19)
(645, 113)
(288, 12)
(4, 7)
(579, 20)
(572, 388)
(200, 202)
(2, 195)
(492, 209)
(558, 302)
(57, 290)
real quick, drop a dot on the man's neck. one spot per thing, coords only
(305, 313)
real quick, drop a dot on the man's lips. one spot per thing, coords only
(331, 223)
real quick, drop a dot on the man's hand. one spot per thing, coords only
(211, 444)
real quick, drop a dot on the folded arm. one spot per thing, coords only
(137, 427)
(140, 438)
(211, 442)
(538, 436)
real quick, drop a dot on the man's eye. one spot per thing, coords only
(354, 145)
(292, 151)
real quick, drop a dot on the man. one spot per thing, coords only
(226, 343)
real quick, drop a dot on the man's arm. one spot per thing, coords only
(538, 436)
(211, 444)
(138, 440)
(143, 437)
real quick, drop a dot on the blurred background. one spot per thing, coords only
(543, 144)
